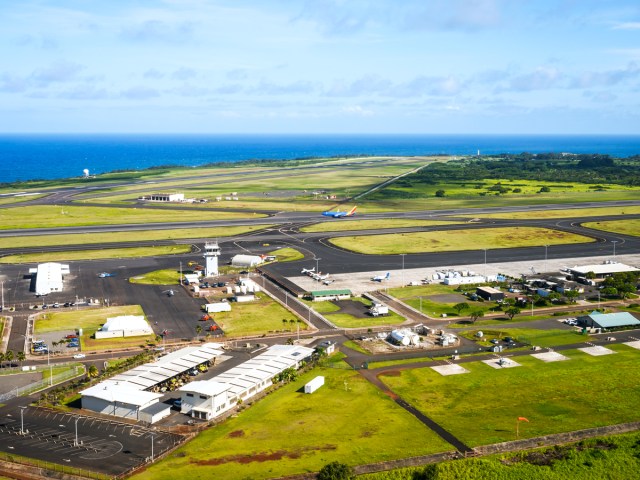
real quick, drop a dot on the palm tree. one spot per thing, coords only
(8, 356)
(292, 322)
(198, 331)
(21, 357)
(93, 371)
(1, 359)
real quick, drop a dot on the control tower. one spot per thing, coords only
(211, 254)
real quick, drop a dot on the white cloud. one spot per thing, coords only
(627, 26)
(357, 110)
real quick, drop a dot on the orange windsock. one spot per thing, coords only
(522, 419)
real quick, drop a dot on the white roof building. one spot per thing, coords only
(49, 277)
(246, 260)
(602, 269)
(124, 326)
(211, 398)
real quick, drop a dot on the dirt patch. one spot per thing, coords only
(236, 434)
(355, 309)
(548, 456)
(264, 456)
(391, 373)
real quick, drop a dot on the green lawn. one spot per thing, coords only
(420, 298)
(456, 240)
(288, 432)
(287, 255)
(256, 318)
(530, 336)
(482, 407)
(90, 320)
(96, 254)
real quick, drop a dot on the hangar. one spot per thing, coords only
(135, 394)
(211, 398)
(246, 261)
(49, 277)
(609, 320)
(601, 270)
(124, 326)
(490, 293)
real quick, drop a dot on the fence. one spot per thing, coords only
(72, 372)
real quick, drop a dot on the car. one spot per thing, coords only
(73, 345)
(495, 341)
(72, 335)
(193, 372)
(508, 340)
(244, 272)
(66, 304)
(79, 355)
(177, 403)
(56, 305)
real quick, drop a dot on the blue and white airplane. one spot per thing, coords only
(339, 214)
(381, 278)
(105, 275)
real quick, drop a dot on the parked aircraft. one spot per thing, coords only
(328, 282)
(105, 275)
(323, 277)
(339, 214)
(170, 292)
(308, 270)
(381, 278)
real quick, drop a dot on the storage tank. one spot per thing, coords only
(314, 384)
(400, 337)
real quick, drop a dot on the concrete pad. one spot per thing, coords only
(597, 350)
(550, 356)
(451, 369)
(506, 363)
(634, 344)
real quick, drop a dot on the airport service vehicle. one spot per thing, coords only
(339, 214)
(106, 275)
(79, 355)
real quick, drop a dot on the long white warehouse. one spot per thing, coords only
(49, 277)
(211, 398)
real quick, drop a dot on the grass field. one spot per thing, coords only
(157, 277)
(482, 406)
(456, 240)
(420, 298)
(287, 254)
(531, 336)
(46, 216)
(565, 213)
(288, 432)
(345, 320)
(625, 227)
(256, 318)
(90, 320)
(340, 226)
(96, 254)
(115, 237)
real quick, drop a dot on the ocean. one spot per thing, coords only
(31, 157)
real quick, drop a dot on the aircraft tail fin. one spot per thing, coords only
(351, 212)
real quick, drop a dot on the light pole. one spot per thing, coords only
(485, 263)
(614, 248)
(545, 257)
(402, 255)
(152, 437)
(75, 444)
(22, 409)
(2, 295)
(318, 265)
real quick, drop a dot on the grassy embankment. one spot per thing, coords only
(456, 240)
(613, 457)
(288, 432)
(90, 320)
(481, 407)
(96, 254)
(287, 254)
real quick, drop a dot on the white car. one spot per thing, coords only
(79, 355)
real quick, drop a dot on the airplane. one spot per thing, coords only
(328, 282)
(308, 270)
(105, 275)
(323, 277)
(170, 292)
(339, 214)
(380, 278)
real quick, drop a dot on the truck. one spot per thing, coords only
(378, 310)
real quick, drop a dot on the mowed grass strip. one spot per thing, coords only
(482, 407)
(563, 213)
(158, 277)
(90, 320)
(256, 318)
(116, 237)
(45, 216)
(133, 252)
(625, 227)
(287, 254)
(341, 226)
(455, 240)
(289, 432)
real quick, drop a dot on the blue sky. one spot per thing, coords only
(320, 66)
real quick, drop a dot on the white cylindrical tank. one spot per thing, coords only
(314, 385)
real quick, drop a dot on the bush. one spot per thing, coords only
(335, 471)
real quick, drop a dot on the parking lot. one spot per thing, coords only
(106, 446)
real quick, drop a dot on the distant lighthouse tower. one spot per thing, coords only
(211, 254)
